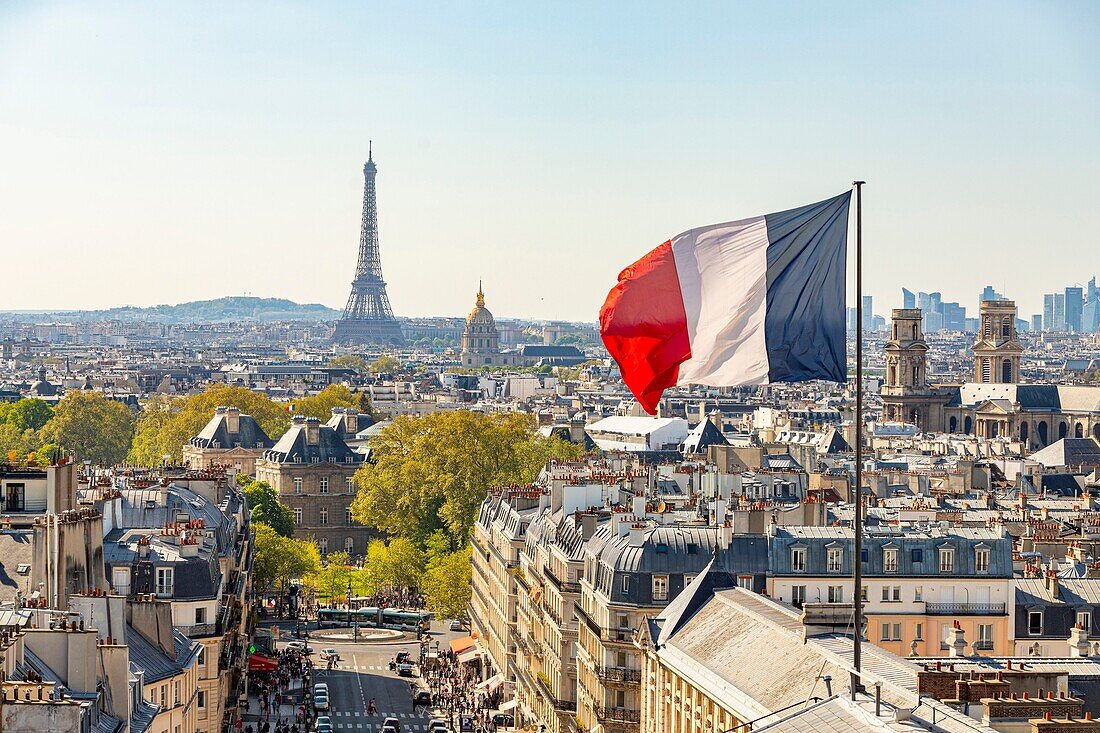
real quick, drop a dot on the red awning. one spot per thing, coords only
(260, 663)
(460, 645)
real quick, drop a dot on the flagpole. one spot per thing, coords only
(857, 560)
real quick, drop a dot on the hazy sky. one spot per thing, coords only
(162, 152)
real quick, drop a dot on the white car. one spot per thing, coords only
(299, 646)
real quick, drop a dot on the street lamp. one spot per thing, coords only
(348, 597)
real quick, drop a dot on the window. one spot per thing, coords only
(323, 514)
(297, 486)
(164, 696)
(349, 485)
(918, 594)
(895, 632)
(297, 516)
(985, 636)
(885, 633)
(347, 516)
(798, 560)
(744, 581)
(897, 594)
(660, 587)
(919, 633)
(891, 594)
(863, 593)
(202, 656)
(200, 615)
(836, 594)
(688, 578)
(120, 579)
(890, 561)
(349, 545)
(1034, 623)
(322, 545)
(1084, 619)
(981, 560)
(324, 484)
(798, 595)
(623, 620)
(176, 693)
(947, 560)
(626, 584)
(835, 561)
(201, 699)
(164, 581)
(916, 556)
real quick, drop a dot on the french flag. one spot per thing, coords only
(754, 301)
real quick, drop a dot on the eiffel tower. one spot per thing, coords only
(368, 318)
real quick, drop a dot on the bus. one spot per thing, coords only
(373, 617)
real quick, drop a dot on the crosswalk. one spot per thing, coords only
(368, 727)
(419, 716)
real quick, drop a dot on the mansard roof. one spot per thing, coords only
(216, 434)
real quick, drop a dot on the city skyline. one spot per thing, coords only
(537, 151)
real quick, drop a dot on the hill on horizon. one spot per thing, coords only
(218, 310)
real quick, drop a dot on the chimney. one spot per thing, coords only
(1079, 641)
(719, 508)
(232, 420)
(956, 640)
(619, 523)
(715, 418)
(351, 420)
(1052, 585)
(1021, 501)
(638, 505)
(725, 535)
(636, 534)
(313, 431)
(588, 525)
(576, 427)
(189, 545)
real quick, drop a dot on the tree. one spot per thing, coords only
(167, 424)
(92, 427)
(385, 365)
(431, 473)
(332, 580)
(320, 405)
(27, 414)
(16, 443)
(348, 361)
(446, 584)
(279, 559)
(265, 505)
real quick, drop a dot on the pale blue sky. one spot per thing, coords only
(161, 152)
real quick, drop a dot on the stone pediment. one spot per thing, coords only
(995, 407)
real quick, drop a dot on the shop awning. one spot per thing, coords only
(469, 655)
(507, 705)
(260, 663)
(462, 644)
(490, 684)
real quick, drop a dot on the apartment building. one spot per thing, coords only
(230, 439)
(918, 582)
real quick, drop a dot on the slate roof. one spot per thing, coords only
(294, 448)
(15, 550)
(1069, 452)
(248, 435)
(540, 351)
(702, 436)
(153, 661)
(1033, 397)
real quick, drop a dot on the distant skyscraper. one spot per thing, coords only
(853, 320)
(868, 313)
(1048, 312)
(990, 294)
(1059, 311)
(1074, 298)
(954, 317)
(1037, 322)
(908, 299)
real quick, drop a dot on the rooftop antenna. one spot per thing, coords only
(370, 150)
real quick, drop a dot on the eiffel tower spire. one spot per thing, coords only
(367, 316)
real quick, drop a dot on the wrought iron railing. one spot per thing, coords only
(964, 609)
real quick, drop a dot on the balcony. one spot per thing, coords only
(618, 674)
(964, 609)
(198, 630)
(543, 685)
(616, 715)
(983, 646)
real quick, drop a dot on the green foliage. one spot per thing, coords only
(279, 559)
(49, 454)
(348, 361)
(167, 423)
(431, 473)
(335, 395)
(266, 507)
(385, 365)
(92, 427)
(27, 414)
(16, 443)
(332, 580)
(447, 582)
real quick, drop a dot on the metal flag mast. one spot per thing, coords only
(857, 559)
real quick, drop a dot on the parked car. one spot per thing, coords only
(422, 697)
(504, 720)
(323, 724)
(320, 687)
(299, 646)
(438, 726)
(456, 625)
(392, 723)
(320, 700)
(404, 669)
(402, 657)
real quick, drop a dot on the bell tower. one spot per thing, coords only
(906, 395)
(997, 352)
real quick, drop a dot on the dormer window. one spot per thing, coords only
(981, 560)
(947, 560)
(834, 560)
(890, 560)
(798, 559)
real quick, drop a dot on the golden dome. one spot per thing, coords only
(480, 315)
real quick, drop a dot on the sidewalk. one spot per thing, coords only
(286, 712)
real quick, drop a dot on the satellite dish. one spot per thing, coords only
(661, 509)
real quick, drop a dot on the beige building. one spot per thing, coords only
(480, 341)
(230, 439)
(312, 469)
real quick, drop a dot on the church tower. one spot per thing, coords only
(997, 352)
(480, 341)
(906, 395)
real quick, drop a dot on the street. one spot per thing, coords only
(362, 674)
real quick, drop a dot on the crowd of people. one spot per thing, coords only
(455, 689)
(276, 688)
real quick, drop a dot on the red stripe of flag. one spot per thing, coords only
(644, 326)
